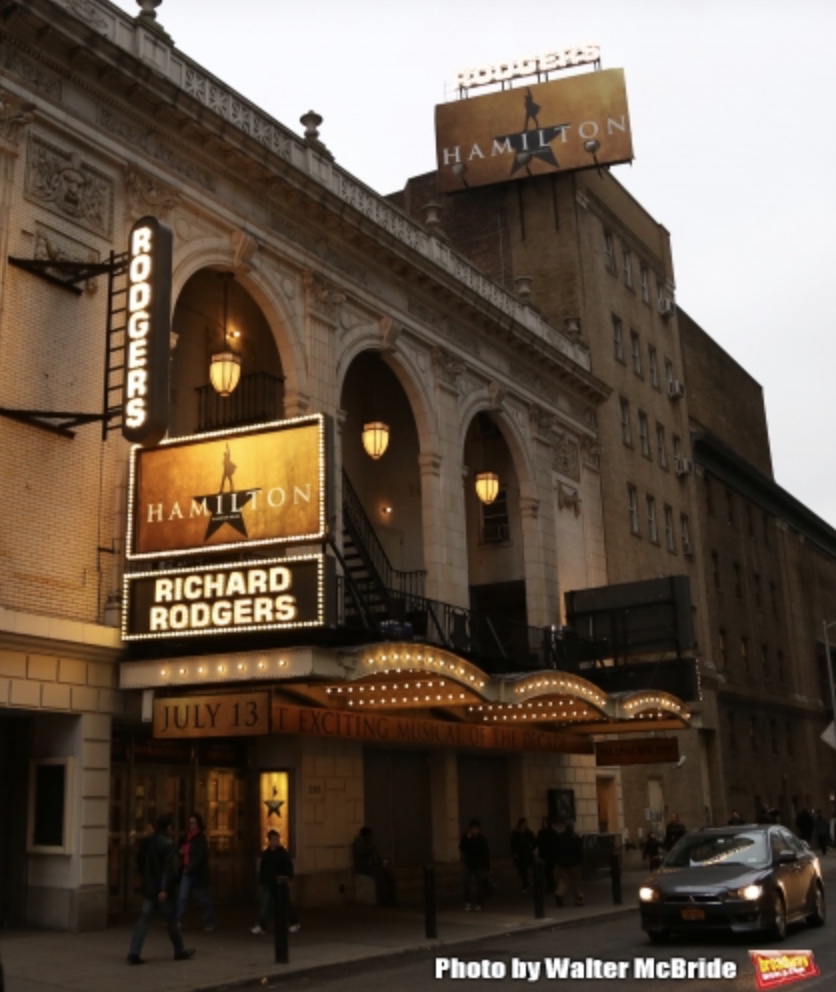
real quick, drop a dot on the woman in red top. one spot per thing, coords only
(194, 854)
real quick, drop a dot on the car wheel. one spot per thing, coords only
(778, 926)
(658, 936)
(819, 914)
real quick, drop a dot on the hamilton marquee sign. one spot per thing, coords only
(574, 123)
(244, 488)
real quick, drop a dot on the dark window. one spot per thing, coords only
(495, 523)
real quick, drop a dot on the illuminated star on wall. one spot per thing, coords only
(274, 805)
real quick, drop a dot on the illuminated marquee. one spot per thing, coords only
(214, 492)
(276, 594)
(146, 374)
(579, 122)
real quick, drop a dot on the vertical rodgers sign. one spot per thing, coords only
(147, 333)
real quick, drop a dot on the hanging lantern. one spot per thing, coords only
(375, 438)
(487, 486)
(225, 372)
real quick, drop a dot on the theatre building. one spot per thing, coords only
(296, 497)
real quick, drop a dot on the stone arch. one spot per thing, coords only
(284, 321)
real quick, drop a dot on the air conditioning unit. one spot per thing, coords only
(684, 466)
(676, 389)
(667, 307)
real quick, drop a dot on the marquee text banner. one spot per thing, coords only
(272, 594)
(234, 715)
(642, 751)
(533, 130)
(255, 487)
(245, 713)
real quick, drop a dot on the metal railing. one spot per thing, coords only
(258, 399)
(389, 581)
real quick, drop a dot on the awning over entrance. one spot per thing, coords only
(417, 685)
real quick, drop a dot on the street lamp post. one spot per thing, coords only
(826, 627)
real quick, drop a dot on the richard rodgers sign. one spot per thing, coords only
(276, 594)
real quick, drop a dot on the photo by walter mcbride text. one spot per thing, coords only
(555, 969)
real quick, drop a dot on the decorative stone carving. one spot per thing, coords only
(567, 459)
(448, 369)
(591, 454)
(496, 393)
(389, 332)
(89, 12)
(244, 249)
(55, 246)
(145, 194)
(544, 424)
(324, 297)
(61, 182)
(14, 116)
(568, 499)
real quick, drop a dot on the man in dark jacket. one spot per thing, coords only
(522, 844)
(194, 857)
(546, 838)
(476, 866)
(157, 863)
(276, 862)
(569, 861)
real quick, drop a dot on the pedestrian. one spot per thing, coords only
(523, 843)
(674, 830)
(158, 867)
(367, 861)
(804, 824)
(476, 866)
(652, 851)
(822, 829)
(276, 863)
(546, 852)
(569, 862)
(194, 858)
(735, 819)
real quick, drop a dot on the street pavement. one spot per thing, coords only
(331, 938)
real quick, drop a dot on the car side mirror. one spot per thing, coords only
(786, 857)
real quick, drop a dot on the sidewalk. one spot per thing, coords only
(231, 957)
(41, 960)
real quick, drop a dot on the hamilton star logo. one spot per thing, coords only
(532, 142)
(226, 507)
(274, 805)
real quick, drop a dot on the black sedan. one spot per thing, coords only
(738, 879)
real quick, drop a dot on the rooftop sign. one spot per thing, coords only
(574, 123)
(502, 72)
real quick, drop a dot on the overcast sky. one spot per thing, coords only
(734, 132)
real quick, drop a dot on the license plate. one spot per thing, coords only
(693, 914)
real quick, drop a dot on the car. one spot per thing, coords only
(739, 879)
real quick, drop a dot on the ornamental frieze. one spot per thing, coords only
(145, 139)
(61, 182)
(30, 72)
(567, 459)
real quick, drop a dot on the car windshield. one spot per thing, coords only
(700, 850)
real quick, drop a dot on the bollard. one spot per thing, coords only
(282, 898)
(538, 887)
(615, 875)
(430, 926)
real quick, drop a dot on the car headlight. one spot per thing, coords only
(748, 892)
(648, 894)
